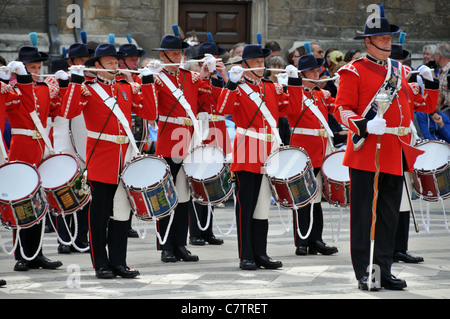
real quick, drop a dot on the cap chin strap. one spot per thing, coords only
(378, 47)
(259, 77)
(167, 57)
(112, 73)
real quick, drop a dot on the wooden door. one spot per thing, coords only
(228, 21)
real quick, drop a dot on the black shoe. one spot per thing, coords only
(124, 272)
(44, 263)
(214, 241)
(2, 283)
(184, 254)
(267, 262)
(406, 257)
(132, 233)
(104, 273)
(246, 264)
(301, 250)
(320, 247)
(392, 283)
(362, 284)
(168, 256)
(197, 241)
(64, 249)
(21, 265)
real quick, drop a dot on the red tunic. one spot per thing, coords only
(174, 139)
(359, 81)
(315, 146)
(39, 97)
(250, 153)
(108, 159)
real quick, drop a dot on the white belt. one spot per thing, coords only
(21, 131)
(399, 131)
(310, 131)
(185, 121)
(253, 134)
(118, 139)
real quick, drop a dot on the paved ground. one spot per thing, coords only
(217, 276)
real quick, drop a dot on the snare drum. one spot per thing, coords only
(336, 179)
(78, 136)
(59, 173)
(431, 173)
(291, 177)
(150, 187)
(205, 168)
(22, 201)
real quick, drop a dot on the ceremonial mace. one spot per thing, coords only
(382, 100)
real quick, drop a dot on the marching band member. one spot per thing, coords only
(179, 93)
(355, 107)
(131, 62)
(255, 105)
(107, 105)
(217, 135)
(77, 54)
(27, 143)
(310, 131)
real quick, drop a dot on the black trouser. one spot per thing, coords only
(388, 205)
(82, 225)
(251, 233)
(30, 239)
(402, 234)
(304, 222)
(104, 230)
(179, 229)
(202, 213)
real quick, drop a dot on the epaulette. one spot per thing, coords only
(278, 88)
(84, 90)
(350, 67)
(326, 94)
(5, 88)
(195, 76)
(51, 80)
(54, 91)
(135, 87)
(414, 87)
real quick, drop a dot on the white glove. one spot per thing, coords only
(282, 78)
(61, 75)
(210, 62)
(145, 72)
(5, 74)
(77, 70)
(376, 126)
(236, 73)
(425, 72)
(17, 67)
(155, 66)
(292, 71)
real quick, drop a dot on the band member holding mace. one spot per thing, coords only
(373, 102)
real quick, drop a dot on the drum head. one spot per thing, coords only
(333, 169)
(144, 172)
(17, 181)
(57, 170)
(286, 163)
(78, 135)
(204, 162)
(437, 154)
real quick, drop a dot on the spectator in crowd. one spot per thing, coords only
(351, 55)
(442, 58)
(435, 126)
(275, 47)
(295, 55)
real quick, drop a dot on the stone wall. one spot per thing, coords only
(290, 22)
